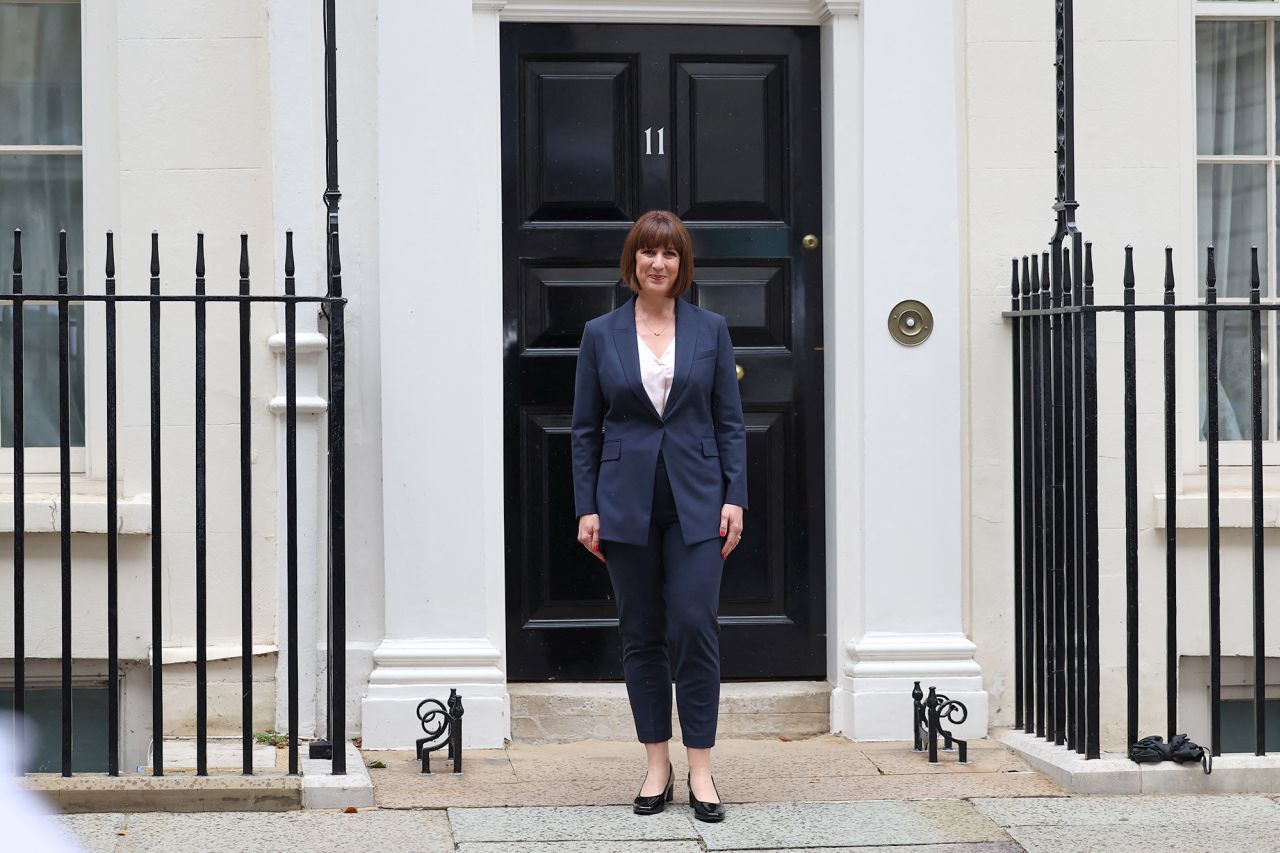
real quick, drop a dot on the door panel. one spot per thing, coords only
(731, 120)
(721, 124)
(577, 140)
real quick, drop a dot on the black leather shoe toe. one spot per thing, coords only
(655, 803)
(708, 812)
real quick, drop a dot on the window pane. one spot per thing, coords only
(40, 195)
(1234, 377)
(39, 74)
(1231, 110)
(1232, 217)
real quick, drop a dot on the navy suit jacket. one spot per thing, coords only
(700, 433)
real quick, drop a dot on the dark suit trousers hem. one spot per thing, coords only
(668, 597)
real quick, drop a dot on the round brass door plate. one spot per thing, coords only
(910, 322)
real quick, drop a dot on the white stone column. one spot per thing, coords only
(441, 350)
(896, 425)
(297, 144)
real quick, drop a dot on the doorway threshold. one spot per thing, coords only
(562, 712)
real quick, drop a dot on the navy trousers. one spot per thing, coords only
(668, 597)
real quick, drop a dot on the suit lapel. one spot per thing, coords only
(628, 350)
(686, 341)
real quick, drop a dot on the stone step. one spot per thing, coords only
(555, 712)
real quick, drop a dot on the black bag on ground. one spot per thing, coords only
(1153, 749)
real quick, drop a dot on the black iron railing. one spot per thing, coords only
(336, 598)
(1056, 550)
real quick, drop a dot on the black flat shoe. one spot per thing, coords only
(655, 803)
(709, 812)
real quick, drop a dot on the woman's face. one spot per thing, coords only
(656, 269)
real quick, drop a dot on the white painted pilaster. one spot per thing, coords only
(441, 355)
(297, 169)
(905, 548)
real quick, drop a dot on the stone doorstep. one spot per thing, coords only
(1116, 774)
(267, 791)
(562, 712)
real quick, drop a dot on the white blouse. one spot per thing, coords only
(656, 372)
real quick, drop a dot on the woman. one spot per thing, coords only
(657, 491)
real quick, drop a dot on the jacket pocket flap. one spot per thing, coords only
(612, 450)
(709, 447)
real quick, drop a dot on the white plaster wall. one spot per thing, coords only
(178, 138)
(357, 40)
(1135, 184)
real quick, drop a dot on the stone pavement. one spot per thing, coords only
(820, 794)
(999, 825)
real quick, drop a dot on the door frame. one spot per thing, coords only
(841, 80)
(894, 418)
(456, 637)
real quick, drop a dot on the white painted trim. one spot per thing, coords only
(1235, 9)
(67, 150)
(885, 655)
(307, 405)
(294, 33)
(303, 342)
(88, 514)
(428, 660)
(778, 12)
(453, 536)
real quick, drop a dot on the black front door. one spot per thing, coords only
(601, 123)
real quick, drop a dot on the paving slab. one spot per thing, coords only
(996, 847)
(251, 832)
(490, 765)
(584, 847)
(1185, 813)
(908, 761)
(463, 793)
(923, 786)
(572, 823)
(855, 824)
(824, 768)
(766, 761)
(96, 833)
(1188, 837)
(176, 792)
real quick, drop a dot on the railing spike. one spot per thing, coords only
(199, 254)
(1168, 269)
(1088, 265)
(1035, 275)
(62, 252)
(155, 253)
(1254, 280)
(288, 253)
(1013, 287)
(1128, 268)
(1211, 274)
(111, 255)
(244, 254)
(17, 251)
(1066, 271)
(1045, 283)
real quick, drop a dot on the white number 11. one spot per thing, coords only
(648, 140)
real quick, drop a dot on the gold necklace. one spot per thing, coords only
(650, 328)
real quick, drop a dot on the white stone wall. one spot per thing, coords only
(178, 138)
(1136, 184)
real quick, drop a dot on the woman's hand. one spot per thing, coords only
(589, 534)
(731, 524)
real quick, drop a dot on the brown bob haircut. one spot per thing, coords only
(658, 229)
